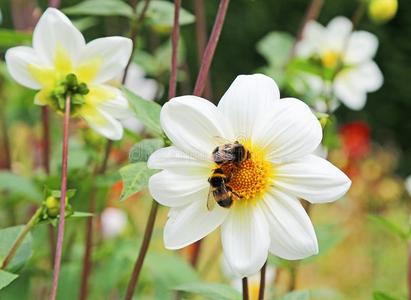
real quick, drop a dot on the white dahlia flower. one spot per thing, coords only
(337, 46)
(281, 136)
(59, 49)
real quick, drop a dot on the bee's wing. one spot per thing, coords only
(210, 200)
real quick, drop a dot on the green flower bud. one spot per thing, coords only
(71, 80)
(53, 206)
(382, 10)
(77, 99)
(83, 89)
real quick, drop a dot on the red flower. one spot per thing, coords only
(355, 139)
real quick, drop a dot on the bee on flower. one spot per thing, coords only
(346, 57)
(60, 63)
(267, 181)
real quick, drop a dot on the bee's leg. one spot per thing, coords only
(236, 194)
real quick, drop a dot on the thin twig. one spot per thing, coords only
(135, 27)
(60, 233)
(201, 37)
(175, 36)
(245, 288)
(87, 262)
(262, 282)
(20, 238)
(143, 251)
(210, 49)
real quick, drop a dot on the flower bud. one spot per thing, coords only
(83, 89)
(77, 99)
(382, 10)
(71, 80)
(53, 206)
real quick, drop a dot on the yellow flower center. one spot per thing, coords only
(252, 177)
(330, 59)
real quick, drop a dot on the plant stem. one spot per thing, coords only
(87, 262)
(202, 79)
(29, 225)
(5, 135)
(46, 138)
(174, 50)
(210, 49)
(409, 272)
(60, 233)
(293, 277)
(143, 251)
(262, 282)
(135, 27)
(201, 36)
(54, 3)
(245, 288)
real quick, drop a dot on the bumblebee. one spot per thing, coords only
(219, 191)
(230, 153)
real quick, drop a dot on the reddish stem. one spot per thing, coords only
(46, 138)
(60, 233)
(201, 36)
(87, 262)
(175, 36)
(143, 251)
(245, 288)
(202, 77)
(54, 3)
(262, 282)
(210, 49)
(6, 140)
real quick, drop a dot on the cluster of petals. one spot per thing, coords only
(60, 49)
(276, 222)
(338, 46)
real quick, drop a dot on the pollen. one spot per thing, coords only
(252, 177)
(330, 59)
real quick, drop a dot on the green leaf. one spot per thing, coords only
(85, 23)
(80, 214)
(148, 112)
(101, 8)
(276, 48)
(10, 38)
(297, 295)
(135, 178)
(6, 278)
(331, 138)
(390, 226)
(7, 238)
(160, 14)
(143, 149)
(382, 296)
(210, 290)
(18, 185)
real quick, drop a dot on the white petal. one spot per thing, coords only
(312, 178)
(192, 124)
(55, 29)
(140, 85)
(104, 124)
(113, 53)
(245, 239)
(347, 90)
(361, 47)
(174, 189)
(337, 32)
(117, 107)
(248, 98)
(191, 223)
(18, 60)
(312, 35)
(172, 158)
(291, 231)
(367, 76)
(292, 131)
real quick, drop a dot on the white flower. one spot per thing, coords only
(280, 135)
(144, 87)
(59, 49)
(113, 222)
(355, 50)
